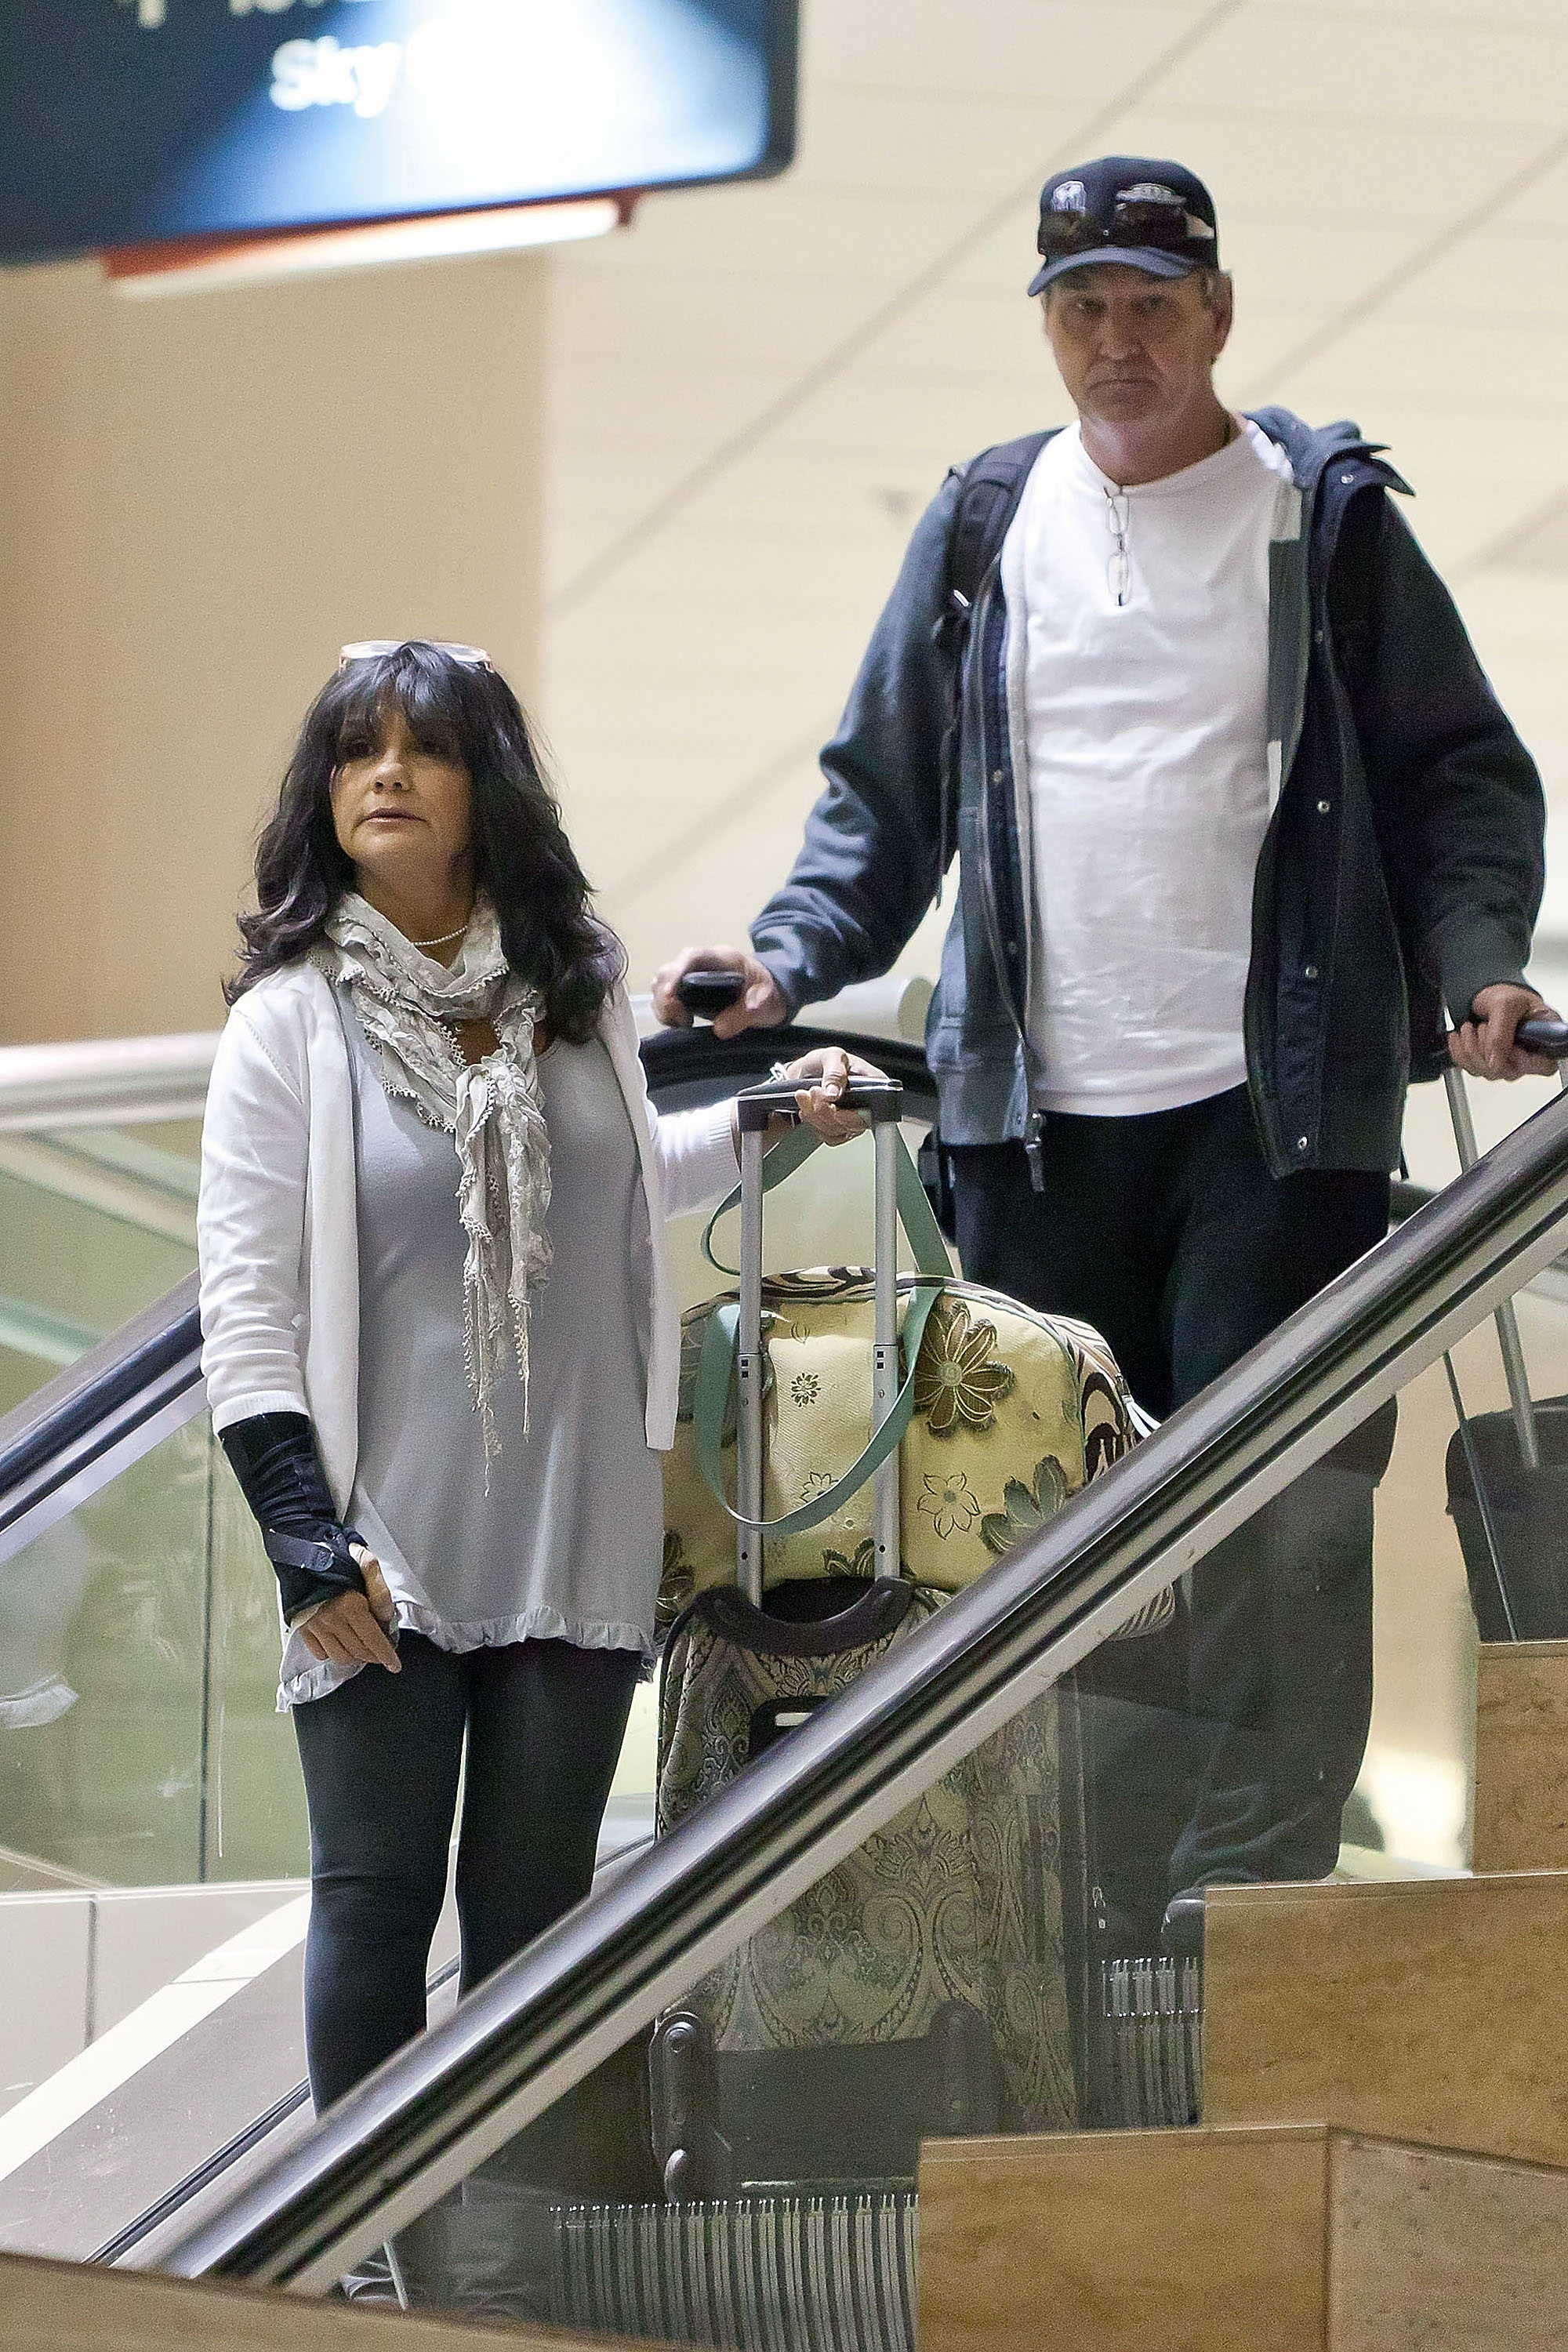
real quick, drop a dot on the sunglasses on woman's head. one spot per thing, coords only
(377, 649)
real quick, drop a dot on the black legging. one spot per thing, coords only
(544, 1722)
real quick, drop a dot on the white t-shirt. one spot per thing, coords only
(1145, 728)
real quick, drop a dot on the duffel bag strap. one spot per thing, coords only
(716, 1374)
(716, 1367)
(916, 1214)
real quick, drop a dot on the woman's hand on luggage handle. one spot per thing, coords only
(762, 1007)
(1484, 1047)
(354, 1628)
(825, 1074)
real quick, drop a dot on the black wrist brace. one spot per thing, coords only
(274, 1458)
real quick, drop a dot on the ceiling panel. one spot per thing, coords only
(1422, 366)
(766, 321)
(935, 143)
(1463, 76)
(1419, 16)
(1349, 176)
(998, 49)
(781, 227)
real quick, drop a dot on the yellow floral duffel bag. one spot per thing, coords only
(1012, 1412)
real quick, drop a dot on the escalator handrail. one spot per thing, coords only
(449, 2100)
(141, 1360)
(57, 1433)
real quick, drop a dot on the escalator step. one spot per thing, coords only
(750, 2275)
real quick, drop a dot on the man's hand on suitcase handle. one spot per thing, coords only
(761, 1006)
(1485, 1046)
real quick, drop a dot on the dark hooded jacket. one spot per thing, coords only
(1401, 867)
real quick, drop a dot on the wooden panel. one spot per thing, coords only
(61, 2307)
(1428, 2247)
(1522, 1756)
(1429, 2010)
(1187, 2240)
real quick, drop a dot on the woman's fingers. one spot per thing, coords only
(824, 1115)
(346, 1633)
(368, 1637)
(376, 1589)
(827, 1071)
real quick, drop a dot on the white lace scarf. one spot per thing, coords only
(409, 1007)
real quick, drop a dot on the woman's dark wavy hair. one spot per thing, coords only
(522, 859)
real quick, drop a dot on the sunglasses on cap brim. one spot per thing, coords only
(1135, 221)
(377, 649)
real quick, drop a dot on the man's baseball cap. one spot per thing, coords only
(1133, 209)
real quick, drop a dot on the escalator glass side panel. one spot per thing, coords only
(138, 1743)
(95, 1224)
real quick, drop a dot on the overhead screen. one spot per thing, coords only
(129, 122)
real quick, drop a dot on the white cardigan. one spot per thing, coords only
(277, 1221)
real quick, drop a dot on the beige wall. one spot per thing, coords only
(201, 496)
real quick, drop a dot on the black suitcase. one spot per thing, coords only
(1507, 1472)
(1511, 1517)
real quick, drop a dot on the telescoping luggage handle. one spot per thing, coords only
(1537, 1035)
(733, 1342)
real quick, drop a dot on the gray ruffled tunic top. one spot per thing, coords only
(565, 1544)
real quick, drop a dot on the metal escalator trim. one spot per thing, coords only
(116, 1081)
(540, 2024)
(211, 2169)
(1550, 1283)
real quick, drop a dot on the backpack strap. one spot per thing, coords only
(993, 486)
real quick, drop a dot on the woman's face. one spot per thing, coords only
(402, 811)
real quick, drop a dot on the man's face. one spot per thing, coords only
(1133, 349)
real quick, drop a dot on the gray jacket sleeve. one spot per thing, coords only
(868, 868)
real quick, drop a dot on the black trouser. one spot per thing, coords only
(1234, 1741)
(544, 1722)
